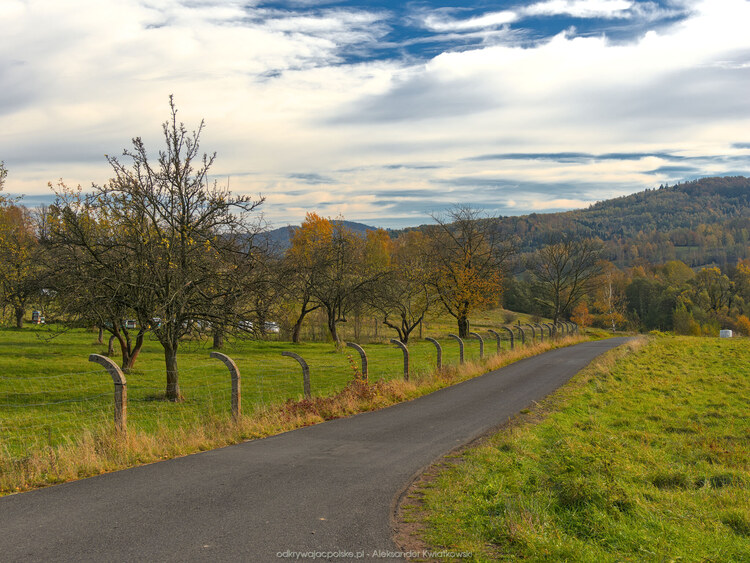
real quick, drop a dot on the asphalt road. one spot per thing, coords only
(325, 488)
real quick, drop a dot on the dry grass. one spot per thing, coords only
(102, 449)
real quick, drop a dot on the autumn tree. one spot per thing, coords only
(304, 265)
(21, 268)
(95, 279)
(609, 298)
(334, 270)
(179, 244)
(714, 290)
(404, 295)
(467, 259)
(580, 315)
(562, 273)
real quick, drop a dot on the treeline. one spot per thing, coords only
(702, 222)
(667, 297)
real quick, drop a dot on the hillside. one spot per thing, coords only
(699, 222)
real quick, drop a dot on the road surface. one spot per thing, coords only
(328, 488)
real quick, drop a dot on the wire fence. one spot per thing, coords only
(48, 410)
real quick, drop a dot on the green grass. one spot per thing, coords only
(50, 394)
(646, 458)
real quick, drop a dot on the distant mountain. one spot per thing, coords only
(705, 221)
(280, 239)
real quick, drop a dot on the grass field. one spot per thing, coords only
(52, 399)
(646, 458)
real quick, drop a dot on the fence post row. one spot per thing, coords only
(460, 348)
(406, 356)
(121, 390)
(481, 343)
(362, 355)
(497, 338)
(439, 352)
(234, 373)
(305, 372)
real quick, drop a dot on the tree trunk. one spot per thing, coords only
(297, 330)
(133, 352)
(19, 316)
(100, 339)
(172, 391)
(463, 327)
(332, 328)
(218, 334)
(111, 347)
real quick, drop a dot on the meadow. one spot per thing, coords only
(56, 407)
(644, 456)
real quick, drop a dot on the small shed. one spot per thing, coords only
(725, 334)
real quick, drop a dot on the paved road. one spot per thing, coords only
(328, 488)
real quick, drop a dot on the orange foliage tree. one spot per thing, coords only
(468, 257)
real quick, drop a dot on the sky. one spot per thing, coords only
(383, 112)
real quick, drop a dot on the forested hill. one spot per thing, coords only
(700, 222)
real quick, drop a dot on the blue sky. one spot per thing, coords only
(384, 112)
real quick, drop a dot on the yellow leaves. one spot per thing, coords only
(311, 237)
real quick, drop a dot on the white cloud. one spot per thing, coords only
(560, 204)
(436, 21)
(81, 78)
(581, 8)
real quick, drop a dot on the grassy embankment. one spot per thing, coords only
(56, 408)
(645, 456)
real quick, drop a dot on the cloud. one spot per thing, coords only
(581, 8)
(437, 21)
(366, 109)
(312, 178)
(560, 204)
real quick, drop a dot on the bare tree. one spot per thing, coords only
(180, 247)
(562, 273)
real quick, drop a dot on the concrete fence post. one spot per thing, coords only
(362, 355)
(510, 334)
(121, 390)
(497, 338)
(523, 335)
(439, 352)
(405, 350)
(533, 333)
(541, 331)
(305, 372)
(550, 329)
(481, 343)
(234, 373)
(460, 347)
